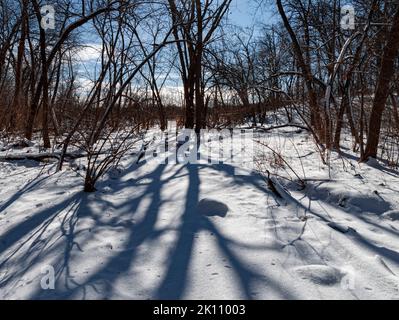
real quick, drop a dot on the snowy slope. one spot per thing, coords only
(201, 232)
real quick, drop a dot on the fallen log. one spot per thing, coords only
(40, 157)
(43, 156)
(265, 129)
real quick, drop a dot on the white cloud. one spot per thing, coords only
(90, 52)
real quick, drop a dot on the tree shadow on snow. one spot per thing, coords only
(31, 241)
(367, 206)
(195, 219)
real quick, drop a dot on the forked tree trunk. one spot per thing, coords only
(89, 185)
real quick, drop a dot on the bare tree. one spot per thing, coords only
(386, 74)
(194, 26)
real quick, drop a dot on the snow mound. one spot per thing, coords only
(320, 274)
(392, 215)
(340, 227)
(370, 203)
(210, 207)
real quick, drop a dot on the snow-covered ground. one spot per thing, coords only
(200, 231)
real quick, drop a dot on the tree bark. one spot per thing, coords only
(386, 73)
(395, 108)
(307, 72)
(19, 63)
(199, 96)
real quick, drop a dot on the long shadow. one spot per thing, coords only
(38, 223)
(247, 278)
(377, 206)
(31, 231)
(102, 281)
(38, 239)
(392, 172)
(42, 219)
(175, 281)
(68, 229)
(383, 251)
(26, 188)
(355, 235)
(16, 233)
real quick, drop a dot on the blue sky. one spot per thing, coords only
(245, 13)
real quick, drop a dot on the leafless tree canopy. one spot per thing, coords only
(185, 61)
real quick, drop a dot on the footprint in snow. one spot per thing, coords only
(320, 274)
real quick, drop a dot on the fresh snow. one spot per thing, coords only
(200, 231)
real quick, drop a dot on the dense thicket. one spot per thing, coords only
(183, 60)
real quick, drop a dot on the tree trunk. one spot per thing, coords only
(387, 71)
(316, 118)
(18, 68)
(395, 111)
(89, 185)
(45, 100)
(199, 98)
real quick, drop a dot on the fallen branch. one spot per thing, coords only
(293, 125)
(35, 156)
(41, 157)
